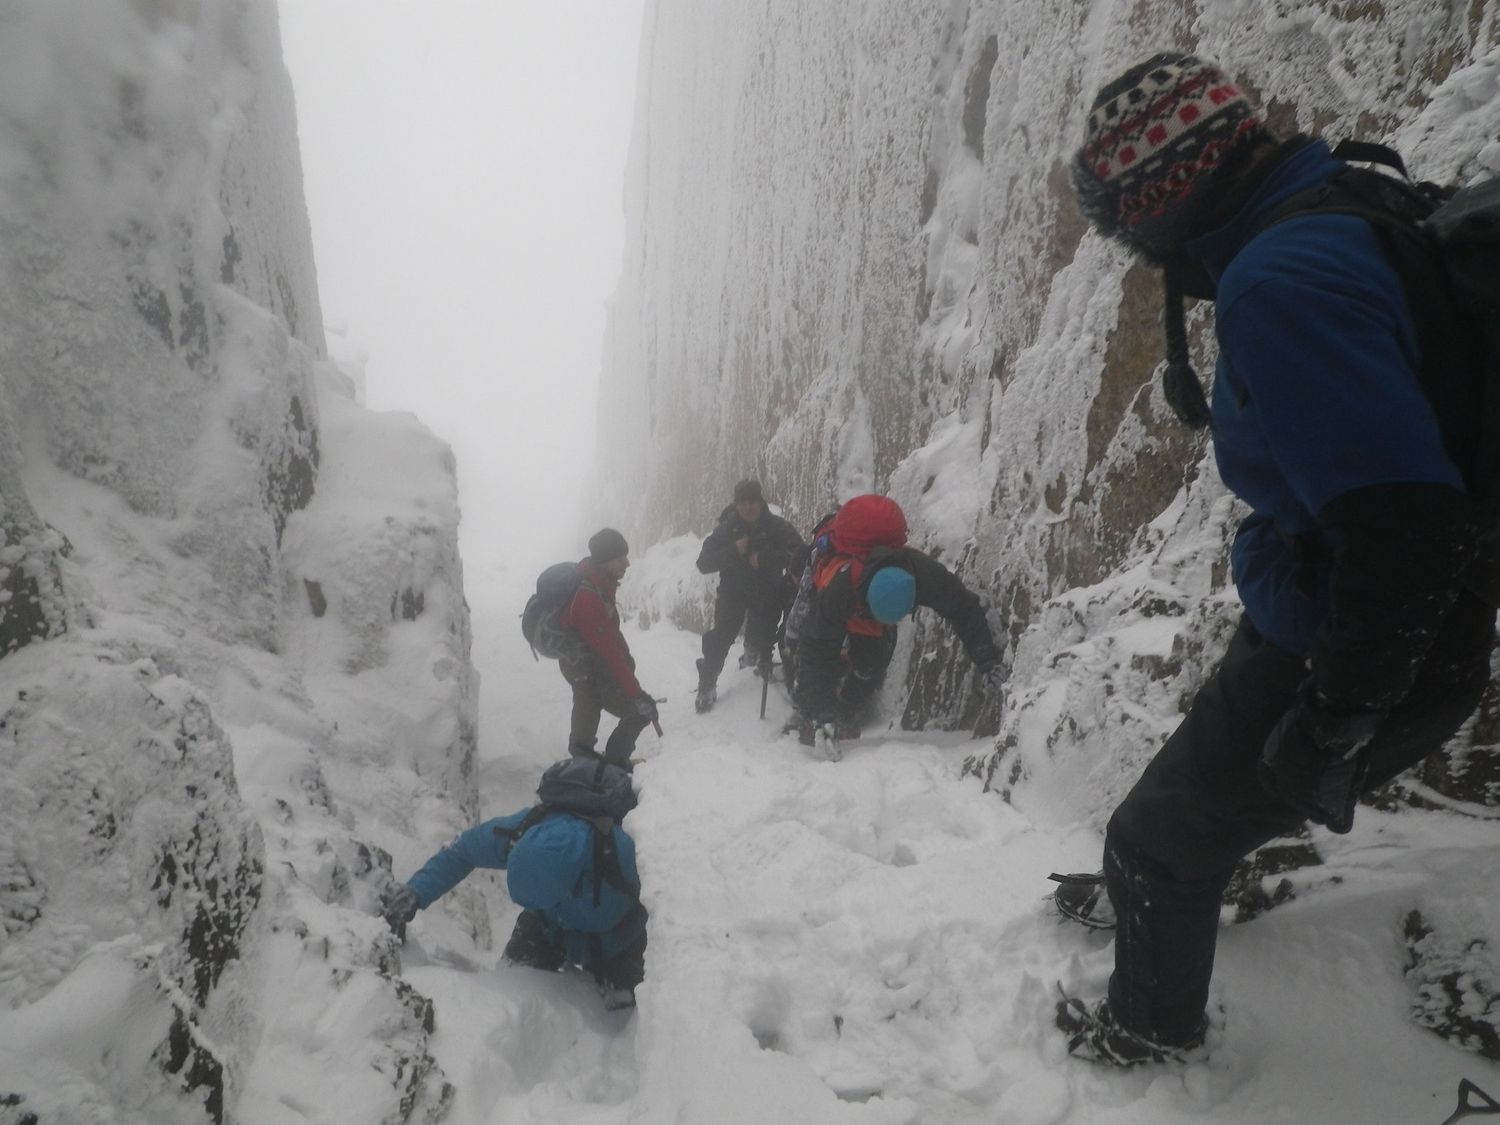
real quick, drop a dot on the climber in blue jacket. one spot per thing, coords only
(1345, 430)
(577, 886)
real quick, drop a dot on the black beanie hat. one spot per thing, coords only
(607, 544)
(747, 490)
(1154, 139)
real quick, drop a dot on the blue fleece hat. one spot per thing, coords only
(891, 595)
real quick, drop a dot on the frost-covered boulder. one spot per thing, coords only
(1453, 965)
(373, 591)
(125, 844)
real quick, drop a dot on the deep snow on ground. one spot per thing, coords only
(863, 941)
(869, 941)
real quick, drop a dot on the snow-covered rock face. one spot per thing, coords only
(228, 595)
(853, 263)
(158, 259)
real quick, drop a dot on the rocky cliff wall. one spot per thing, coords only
(853, 264)
(229, 599)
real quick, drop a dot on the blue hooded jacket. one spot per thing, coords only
(549, 870)
(1317, 391)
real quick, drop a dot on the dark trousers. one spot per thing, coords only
(594, 693)
(537, 944)
(1198, 809)
(623, 970)
(758, 612)
(830, 688)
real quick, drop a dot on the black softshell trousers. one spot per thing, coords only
(758, 610)
(1198, 809)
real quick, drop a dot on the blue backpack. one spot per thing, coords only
(593, 790)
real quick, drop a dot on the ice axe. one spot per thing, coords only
(1468, 1106)
(765, 671)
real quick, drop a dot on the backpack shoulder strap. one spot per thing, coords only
(1388, 204)
(1371, 152)
(607, 867)
(535, 816)
(830, 565)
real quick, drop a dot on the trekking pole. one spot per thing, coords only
(765, 671)
(1486, 1106)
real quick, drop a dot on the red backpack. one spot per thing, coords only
(864, 524)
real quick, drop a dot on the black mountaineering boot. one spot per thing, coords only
(708, 692)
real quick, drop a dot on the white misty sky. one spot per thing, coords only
(464, 164)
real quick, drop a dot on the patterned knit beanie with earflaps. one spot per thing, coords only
(1155, 138)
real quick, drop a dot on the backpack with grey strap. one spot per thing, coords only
(541, 620)
(1444, 244)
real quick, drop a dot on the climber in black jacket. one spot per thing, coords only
(752, 550)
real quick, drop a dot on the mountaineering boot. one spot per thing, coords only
(822, 737)
(616, 998)
(617, 977)
(579, 750)
(1094, 1035)
(708, 692)
(760, 661)
(826, 740)
(1084, 899)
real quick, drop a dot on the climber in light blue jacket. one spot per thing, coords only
(575, 879)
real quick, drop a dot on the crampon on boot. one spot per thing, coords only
(1084, 899)
(1094, 1035)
